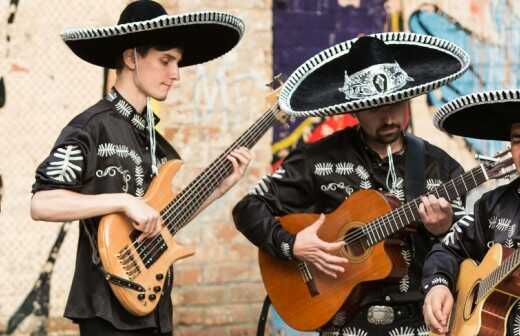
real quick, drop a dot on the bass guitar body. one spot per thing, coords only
(138, 270)
(304, 297)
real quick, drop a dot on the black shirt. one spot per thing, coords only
(496, 219)
(318, 177)
(105, 150)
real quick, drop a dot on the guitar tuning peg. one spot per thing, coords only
(481, 157)
(277, 81)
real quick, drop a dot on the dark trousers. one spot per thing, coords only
(98, 327)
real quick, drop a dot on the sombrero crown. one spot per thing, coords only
(201, 35)
(371, 71)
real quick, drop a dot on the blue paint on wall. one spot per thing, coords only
(495, 64)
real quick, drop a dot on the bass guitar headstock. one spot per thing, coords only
(272, 98)
(501, 165)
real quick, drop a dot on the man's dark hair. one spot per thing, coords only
(143, 51)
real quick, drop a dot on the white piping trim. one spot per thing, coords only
(161, 22)
(474, 99)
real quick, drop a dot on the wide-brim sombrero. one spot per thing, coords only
(371, 71)
(202, 36)
(483, 115)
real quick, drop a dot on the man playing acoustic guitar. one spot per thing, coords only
(496, 218)
(375, 76)
(105, 158)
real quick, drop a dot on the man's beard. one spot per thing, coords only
(388, 138)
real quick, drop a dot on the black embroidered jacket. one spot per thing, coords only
(104, 150)
(495, 219)
(318, 177)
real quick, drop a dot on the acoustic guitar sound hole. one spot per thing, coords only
(355, 248)
(471, 300)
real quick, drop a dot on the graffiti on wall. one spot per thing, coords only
(327, 22)
(494, 57)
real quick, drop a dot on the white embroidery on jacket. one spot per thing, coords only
(467, 220)
(402, 331)
(108, 149)
(344, 168)
(323, 168)
(62, 168)
(499, 224)
(111, 171)
(354, 331)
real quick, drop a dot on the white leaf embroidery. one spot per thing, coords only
(323, 168)
(344, 168)
(62, 168)
(404, 284)
(353, 331)
(402, 331)
(457, 227)
(124, 108)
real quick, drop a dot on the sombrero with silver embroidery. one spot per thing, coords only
(371, 71)
(482, 115)
(201, 35)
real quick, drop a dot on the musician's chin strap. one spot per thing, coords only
(150, 124)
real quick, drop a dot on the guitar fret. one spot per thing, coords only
(464, 183)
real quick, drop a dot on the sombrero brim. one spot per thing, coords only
(203, 36)
(312, 89)
(483, 115)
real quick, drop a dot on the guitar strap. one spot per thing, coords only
(262, 319)
(414, 173)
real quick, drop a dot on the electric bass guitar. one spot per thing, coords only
(486, 293)
(305, 298)
(136, 270)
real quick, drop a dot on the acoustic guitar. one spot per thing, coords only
(305, 298)
(136, 270)
(486, 293)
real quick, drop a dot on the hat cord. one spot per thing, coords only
(150, 124)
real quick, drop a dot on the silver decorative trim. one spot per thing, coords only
(375, 80)
(286, 250)
(474, 99)
(343, 48)
(161, 22)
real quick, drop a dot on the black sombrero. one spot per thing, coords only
(483, 115)
(371, 71)
(202, 35)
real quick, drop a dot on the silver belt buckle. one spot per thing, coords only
(380, 315)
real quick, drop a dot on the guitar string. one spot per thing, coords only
(169, 212)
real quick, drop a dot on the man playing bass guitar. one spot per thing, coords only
(106, 157)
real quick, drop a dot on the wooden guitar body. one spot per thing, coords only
(120, 256)
(309, 305)
(489, 316)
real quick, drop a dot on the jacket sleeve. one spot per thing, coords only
(70, 163)
(466, 239)
(288, 190)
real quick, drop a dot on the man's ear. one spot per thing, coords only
(129, 59)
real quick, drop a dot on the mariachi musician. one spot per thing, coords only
(105, 158)
(373, 77)
(490, 115)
